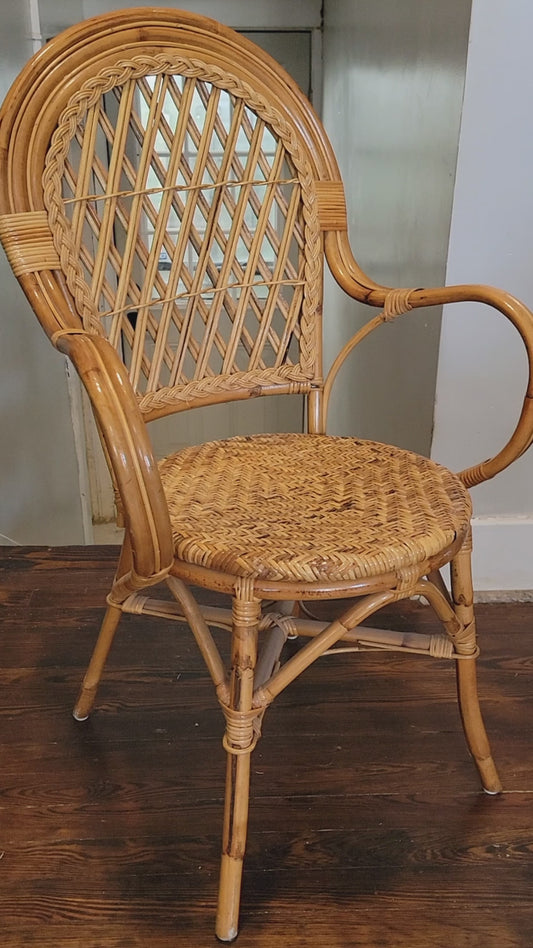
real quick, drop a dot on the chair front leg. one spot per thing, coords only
(87, 693)
(465, 644)
(241, 735)
(113, 614)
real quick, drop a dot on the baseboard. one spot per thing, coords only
(503, 553)
(503, 595)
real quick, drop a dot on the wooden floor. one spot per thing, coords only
(367, 825)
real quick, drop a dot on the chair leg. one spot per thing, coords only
(474, 728)
(239, 741)
(93, 674)
(233, 846)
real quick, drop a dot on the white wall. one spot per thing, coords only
(39, 489)
(39, 477)
(241, 14)
(393, 86)
(481, 375)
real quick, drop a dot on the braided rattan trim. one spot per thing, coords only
(28, 242)
(331, 205)
(310, 508)
(440, 646)
(286, 375)
(138, 67)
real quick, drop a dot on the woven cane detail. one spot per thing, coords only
(163, 371)
(311, 508)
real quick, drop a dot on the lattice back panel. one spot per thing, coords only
(182, 208)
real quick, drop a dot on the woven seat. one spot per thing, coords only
(305, 508)
(168, 203)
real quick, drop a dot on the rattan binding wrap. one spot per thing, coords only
(263, 506)
(28, 242)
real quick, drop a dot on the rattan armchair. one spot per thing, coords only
(151, 134)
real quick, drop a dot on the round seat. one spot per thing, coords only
(310, 508)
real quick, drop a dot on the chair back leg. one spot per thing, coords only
(466, 646)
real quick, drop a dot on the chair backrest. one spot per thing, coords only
(166, 185)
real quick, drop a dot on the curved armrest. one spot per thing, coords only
(129, 451)
(352, 279)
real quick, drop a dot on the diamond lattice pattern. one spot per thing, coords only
(186, 213)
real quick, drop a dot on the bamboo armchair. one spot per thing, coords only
(147, 135)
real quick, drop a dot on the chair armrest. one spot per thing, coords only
(129, 452)
(352, 279)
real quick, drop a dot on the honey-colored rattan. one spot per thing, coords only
(206, 207)
(311, 508)
(28, 242)
(168, 200)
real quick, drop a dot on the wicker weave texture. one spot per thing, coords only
(180, 226)
(310, 507)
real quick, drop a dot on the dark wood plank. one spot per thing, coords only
(367, 826)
